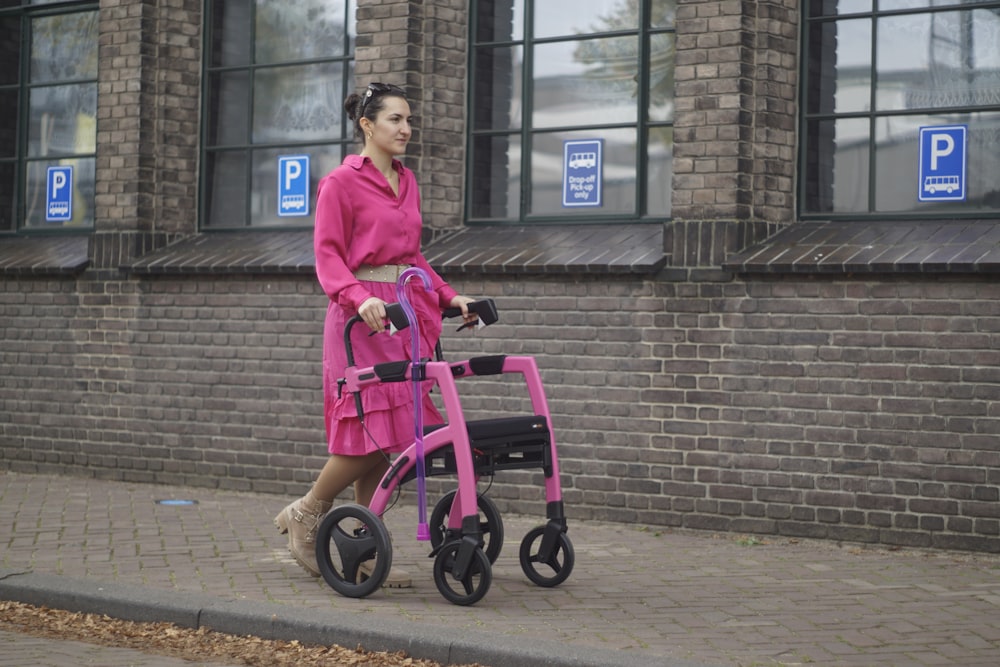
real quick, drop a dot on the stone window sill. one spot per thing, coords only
(520, 250)
(44, 255)
(890, 247)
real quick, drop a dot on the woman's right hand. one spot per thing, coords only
(372, 311)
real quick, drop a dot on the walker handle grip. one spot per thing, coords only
(486, 309)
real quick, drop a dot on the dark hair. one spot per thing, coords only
(370, 103)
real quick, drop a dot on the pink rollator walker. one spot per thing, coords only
(465, 528)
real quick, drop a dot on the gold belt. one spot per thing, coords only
(387, 273)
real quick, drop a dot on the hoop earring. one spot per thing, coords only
(369, 135)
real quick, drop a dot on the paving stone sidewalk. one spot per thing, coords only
(637, 596)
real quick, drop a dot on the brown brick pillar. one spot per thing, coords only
(422, 47)
(147, 127)
(734, 132)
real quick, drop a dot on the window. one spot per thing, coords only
(277, 73)
(554, 80)
(902, 109)
(48, 112)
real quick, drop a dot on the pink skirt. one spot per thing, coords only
(388, 407)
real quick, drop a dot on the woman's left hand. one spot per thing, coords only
(462, 302)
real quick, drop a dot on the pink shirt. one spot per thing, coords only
(360, 220)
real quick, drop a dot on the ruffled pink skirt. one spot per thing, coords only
(388, 407)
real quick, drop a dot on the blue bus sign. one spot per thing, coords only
(59, 194)
(582, 168)
(942, 163)
(293, 185)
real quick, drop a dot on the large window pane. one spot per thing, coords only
(264, 180)
(62, 120)
(589, 82)
(495, 190)
(230, 41)
(557, 18)
(7, 186)
(226, 189)
(837, 166)
(302, 103)
(618, 173)
(10, 50)
(64, 47)
(82, 196)
(497, 98)
(302, 30)
(840, 66)
(888, 5)
(659, 170)
(661, 77)
(897, 176)
(227, 101)
(940, 59)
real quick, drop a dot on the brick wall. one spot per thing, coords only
(855, 409)
(842, 409)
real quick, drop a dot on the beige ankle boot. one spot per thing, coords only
(300, 520)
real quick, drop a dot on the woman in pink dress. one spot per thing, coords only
(368, 230)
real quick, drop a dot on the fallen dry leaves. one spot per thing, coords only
(201, 644)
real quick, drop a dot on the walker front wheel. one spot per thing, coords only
(465, 588)
(558, 559)
(353, 550)
(490, 524)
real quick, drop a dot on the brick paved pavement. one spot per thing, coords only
(636, 596)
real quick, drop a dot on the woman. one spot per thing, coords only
(368, 230)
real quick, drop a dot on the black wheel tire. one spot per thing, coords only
(471, 588)
(560, 562)
(490, 524)
(347, 537)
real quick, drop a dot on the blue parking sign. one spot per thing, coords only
(293, 185)
(59, 194)
(582, 169)
(942, 163)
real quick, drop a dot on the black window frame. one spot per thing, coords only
(816, 12)
(21, 88)
(345, 59)
(643, 125)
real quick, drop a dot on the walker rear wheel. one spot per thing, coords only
(349, 536)
(490, 524)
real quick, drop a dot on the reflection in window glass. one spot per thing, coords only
(225, 189)
(942, 59)
(835, 7)
(64, 47)
(314, 30)
(890, 5)
(661, 77)
(558, 18)
(897, 163)
(585, 83)
(226, 102)
(498, 101)
(843, 49)
(8, 209)
(302, 103)
(837, 166)
(660, 168)
(62, 120)
(10, 51)
(264, 175)
(618, 174)
(82, 196)
(496, 185)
